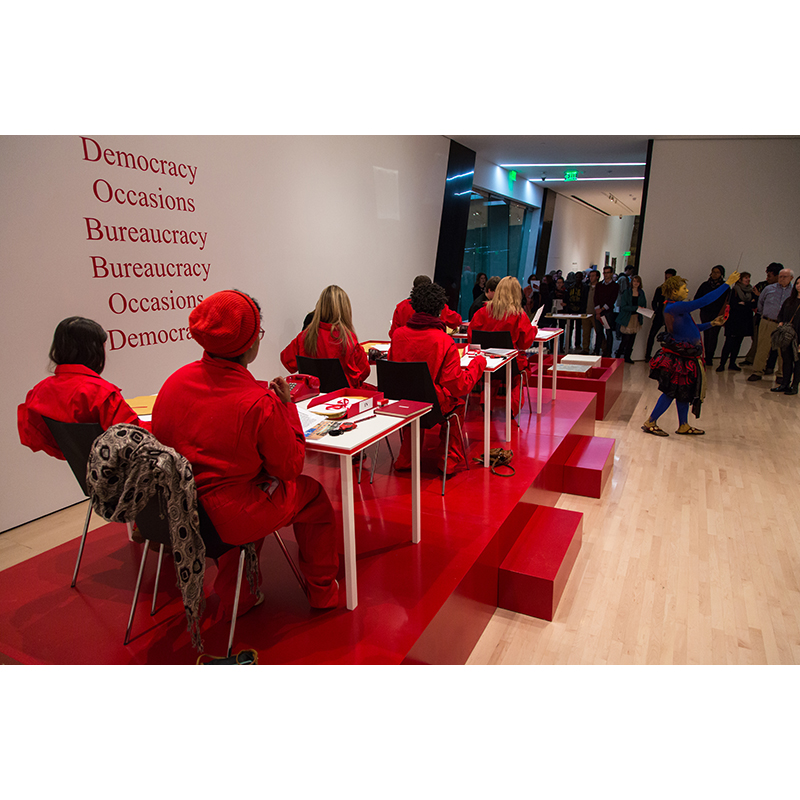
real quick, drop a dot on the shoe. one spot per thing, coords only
(330, 604)
(780, 389)
(734, 368)
(721, 368)
(754, 378)
(629, 361)
(791, 390)
(709, 363)
(745, 363)
(768, 371)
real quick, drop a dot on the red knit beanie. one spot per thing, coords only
(225, 323)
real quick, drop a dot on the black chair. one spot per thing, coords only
(328, 370)
(502, 339)
(411, 380)
(154, 527)
(75, 440)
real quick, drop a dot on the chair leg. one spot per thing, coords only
(136, 592)
(80, 549)
(236, 600)
(299, 575)
(446, 453)
(463, 439)
(158, 575)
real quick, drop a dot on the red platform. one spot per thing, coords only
(588, 468)
(424, 603)
(535, 571)
(604, 381)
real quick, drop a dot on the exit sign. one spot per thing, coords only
(571, 175)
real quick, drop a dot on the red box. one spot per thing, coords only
(372, 398)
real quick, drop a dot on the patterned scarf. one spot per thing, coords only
(127, 466)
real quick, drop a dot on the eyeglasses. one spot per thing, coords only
(260, 333)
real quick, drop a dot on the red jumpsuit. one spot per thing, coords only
(522, 336)
(246, 448)
(354, 360)
(74, 394)
(403, 313)
(452, 381)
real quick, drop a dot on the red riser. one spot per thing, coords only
(533, 575)
(588, 469)
(605, 383)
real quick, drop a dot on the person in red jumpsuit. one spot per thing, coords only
(330, 334)
(403, 311)
(76, 392)
(423, 338)
(244, 441)
(504, 313)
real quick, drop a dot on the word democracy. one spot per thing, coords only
(119, 158)
(95, 231)
(160, 269)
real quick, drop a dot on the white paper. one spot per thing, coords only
(309, 420)
(646, 312)
(537, 316)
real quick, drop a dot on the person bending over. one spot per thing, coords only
(504, 313)
(678, 366)
(403, 311)
(76, 392)
(245, 443)
(423, 338)
(330, 334)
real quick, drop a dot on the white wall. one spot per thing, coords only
(284, 217)
(714, 201)
(580, 237)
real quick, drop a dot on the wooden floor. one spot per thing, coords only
(692, 556)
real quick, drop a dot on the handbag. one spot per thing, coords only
(499, 458)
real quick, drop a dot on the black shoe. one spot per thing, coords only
(721, 368)
(791, 390)
(745, 363)
(629, 361)
(734, 368)
(780, 389)
(754, 377)
(768, 371)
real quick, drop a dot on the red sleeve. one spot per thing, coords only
(34, 433)
(114, 410)
(478, 319)
(525, 333)
(455, 379)
(290, 353)
(281, 443)
(451, 318)
(358, 363)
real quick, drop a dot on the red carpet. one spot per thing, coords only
(425, 603)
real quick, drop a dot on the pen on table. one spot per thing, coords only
(361, 419)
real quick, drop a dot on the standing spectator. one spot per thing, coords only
(480, 285)
(531, 292)
(769, 306)
(658, 315)
(740, 322)
(712, 311)
(773, 270)
(629, 322)
(587, 325)
(485, 297)
(789, 316)
(577, 305)
(605, 296)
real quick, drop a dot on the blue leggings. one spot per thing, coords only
(664, 403)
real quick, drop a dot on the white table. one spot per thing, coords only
(545, 335)
(345, 446)
(493, 364)
(568, 330)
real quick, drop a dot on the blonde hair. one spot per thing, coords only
(507, 300)
(333, 307)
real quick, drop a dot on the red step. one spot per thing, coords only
(588, 469)
(535, 571)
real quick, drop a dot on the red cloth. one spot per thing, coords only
(522, 332)
(237, 434)
(74, 394)
(403, 313)
(354, 360)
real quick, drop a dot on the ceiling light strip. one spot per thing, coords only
(564, 180)
(594, 164)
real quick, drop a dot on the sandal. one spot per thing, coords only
(691, 432)
(654, 429)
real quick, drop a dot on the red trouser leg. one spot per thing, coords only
(515, 381)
